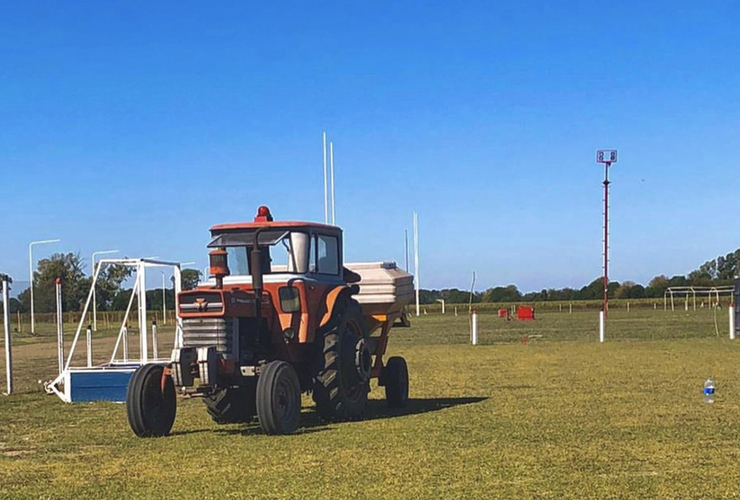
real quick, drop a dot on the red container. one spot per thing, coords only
(502, 313)
(525, 313)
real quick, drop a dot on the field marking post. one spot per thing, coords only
(155, 341)
(602, 326)
(88, 335)
(731, 310)
(6, 328)
(474, 327)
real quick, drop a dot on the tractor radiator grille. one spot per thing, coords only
(208, 332)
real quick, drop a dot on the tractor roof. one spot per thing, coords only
(289, 225)
(264, 220)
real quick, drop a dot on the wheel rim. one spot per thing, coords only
(351, 382)
(285, 400)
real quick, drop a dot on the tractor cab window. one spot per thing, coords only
(328, 255)
(282, 251)
(290, 254)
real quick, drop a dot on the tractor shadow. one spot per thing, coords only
(377, 409)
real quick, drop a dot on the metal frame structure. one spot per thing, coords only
(125, 364)
(711, 292)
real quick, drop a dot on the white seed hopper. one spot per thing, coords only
(384, 288)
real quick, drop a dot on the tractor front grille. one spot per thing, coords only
(209, 332)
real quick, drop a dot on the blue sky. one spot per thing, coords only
(137, 125)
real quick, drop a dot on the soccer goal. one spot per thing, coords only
(696, 296)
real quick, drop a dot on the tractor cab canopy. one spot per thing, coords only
(285, 247)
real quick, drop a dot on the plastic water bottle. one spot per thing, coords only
(709, 391)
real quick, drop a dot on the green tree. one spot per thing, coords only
(190, 278)
(75, 285)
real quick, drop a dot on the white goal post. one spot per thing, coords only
(690, 294)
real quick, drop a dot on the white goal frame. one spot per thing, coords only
(712, 293)
(138, 291)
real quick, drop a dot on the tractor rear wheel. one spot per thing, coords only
(151, 402)
(278, 398)
(235, 405)
(396, 380)
(343, 382)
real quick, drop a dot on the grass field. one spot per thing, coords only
(560, 416)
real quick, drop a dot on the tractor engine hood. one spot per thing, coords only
(205, 303)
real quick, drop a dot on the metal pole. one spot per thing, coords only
(606, 238)
(416, 259)
(731, 310)
(602, 325)
(155, 343)
(326, 194)
(30, 274)
(6, 328)
(88, 333)
(331, 161)
(144, 350)
(60, 326)
(164, 301)
(406, 236)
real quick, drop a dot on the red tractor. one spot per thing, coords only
(281, 317)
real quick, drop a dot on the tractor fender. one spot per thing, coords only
(335, 296)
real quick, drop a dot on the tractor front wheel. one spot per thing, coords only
(151, 402)
(278, 398)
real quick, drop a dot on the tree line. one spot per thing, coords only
(113, 295)
(717, 272)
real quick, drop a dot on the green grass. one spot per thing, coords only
(561, 416)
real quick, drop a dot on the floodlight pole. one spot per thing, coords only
(95, 301)
(30, 273)
(607, 157)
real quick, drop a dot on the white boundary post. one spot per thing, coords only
(143, 334)
(155, 342)
(60, 326)
(602, 326)
(88, 333)
(6, 328)
(731, 310)
(474, 328)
